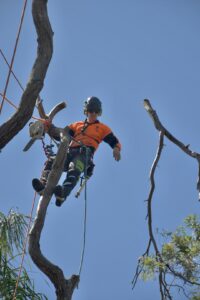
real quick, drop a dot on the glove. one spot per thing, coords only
(116, 154)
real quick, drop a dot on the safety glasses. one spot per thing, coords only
(92, 111)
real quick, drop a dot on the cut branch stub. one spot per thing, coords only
(40, 108)
(153, 115)
(56, 109)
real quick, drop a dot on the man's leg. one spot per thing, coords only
(76, 167)
(39, 184)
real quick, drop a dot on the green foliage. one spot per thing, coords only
(12, 228)
(183, 250)
(179, 255)
(12, 232)
(195, 297)
(151, 265)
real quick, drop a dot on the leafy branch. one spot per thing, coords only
(178, 259)
(12, 232)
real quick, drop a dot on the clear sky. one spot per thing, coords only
(122, 52)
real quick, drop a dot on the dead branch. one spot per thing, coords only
(163, 290)
(160, 127)
(185, 148)
(150, 197)
(166, 269)
(44, 53)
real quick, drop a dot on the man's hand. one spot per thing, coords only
(116, 154)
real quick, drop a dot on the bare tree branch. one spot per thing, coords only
(160, 127)
(163, 268)
(149, 214)
(44, 53)
(149, 200)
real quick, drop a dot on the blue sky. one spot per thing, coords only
(122, 52)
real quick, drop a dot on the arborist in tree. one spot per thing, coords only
(85, 139)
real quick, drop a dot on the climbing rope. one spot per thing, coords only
(13, 105)
(6, 61)
(84, 232)
(85, 213)
(19, 83)
(9, 101)
(24, 247)
(14, 52)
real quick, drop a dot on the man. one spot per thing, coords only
(85, 139)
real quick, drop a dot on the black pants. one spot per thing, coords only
(79, 160)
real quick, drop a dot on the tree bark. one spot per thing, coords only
(36, 81)
(64, 288)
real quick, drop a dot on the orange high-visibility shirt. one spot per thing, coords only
(92, 134)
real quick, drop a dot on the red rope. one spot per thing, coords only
(13, 105)
(21, 86)
(13, 56)
(9, 101)
(24, 247)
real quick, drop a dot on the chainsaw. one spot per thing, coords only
(36, 131)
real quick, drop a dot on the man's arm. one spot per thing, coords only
(112, 140)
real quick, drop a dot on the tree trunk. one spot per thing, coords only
(64, 288)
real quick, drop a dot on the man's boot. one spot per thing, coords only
(38, 186)
(58, 192)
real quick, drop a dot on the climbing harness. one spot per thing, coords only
(48, 149)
